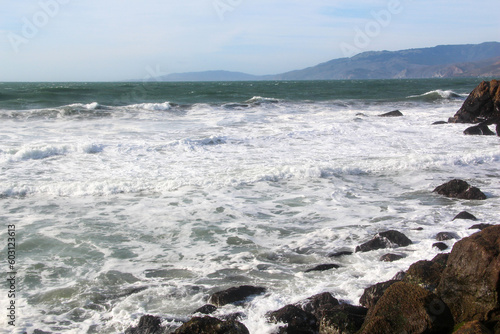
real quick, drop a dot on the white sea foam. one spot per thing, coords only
(152, 106)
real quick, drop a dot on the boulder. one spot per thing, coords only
(408, 308)
(459, 189)
(394, 113)
(473, 327)
(323, 267)
(148, 324)
(483, 103)
(440, 245)
(235, 295)
(426, 274)
(465, 215)
(318, 304)
(470, 283)
(340, 253)
(342, 319)
(211, 325)
(206, 309)
(385, 240)
(296, 319)
(443, 236)
(373, 293)
(479, 130)
(391, 257)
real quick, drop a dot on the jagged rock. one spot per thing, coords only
(465, 215)
(211, 325)
(394, 113)
(323, 267)
(296, 319)
(391, 257)
(318, 304)
(342, 319)
(385, 240)
(235, 295)
(459, 189)
(148, 324)
(479, 226)
(373, 293)
(470, 283)
(339, 254)
(483, 103)
(440, 245)
(443, 236)
(473, 327)
(206, 309)
(408, 308)
(426, 274)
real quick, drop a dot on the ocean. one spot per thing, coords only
(125, 199)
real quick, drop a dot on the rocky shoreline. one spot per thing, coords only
(456, 292)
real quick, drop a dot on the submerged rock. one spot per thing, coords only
(483, 103)
(323, 267)
(391, 257)
(211, 325)
(206, 309)
(340, 253)
(385, 240)
(460, 189)
(235, 295)
(465, 215)
(394, 113)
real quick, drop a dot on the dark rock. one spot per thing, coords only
(391, 257)
(323, 267)
(148, 324)
(318, 304)
(296, 320)
(473, 327)
(459, 189)
(426, 274)
(439, 123)
(483, 103)
(206, 309)
(479, 130)
(443, 236)
(470, 283)
(339, 254)
(465, 215)
(342, 319)
(479, 226)
(440, 245)
(394, 113)
(235, 295)
(399, 276)
(441, 259)
(211, 325)
(373, 293)
(385, 240)
(408, 308)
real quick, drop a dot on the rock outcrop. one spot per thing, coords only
(482, 104)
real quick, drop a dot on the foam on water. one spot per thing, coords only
(148, 214)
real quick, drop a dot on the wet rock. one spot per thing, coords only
(439, 123)
(459, 189)
(148, 324)
(408, 308)
(470, 283)
(440, 245)
(391, 257)
(385, 240)
(426, 274)
(479, 226)
(394, 113)
(399, 276)
(479, 130)
(318, 304)
(235, 295)
(211, 325)
(323, 267)
(483, 103)
(473, 327)
(342, 319)
(373, 293)
(443, 236)
(465, 215)
(341, 253)
(206, 309)
(296, 319)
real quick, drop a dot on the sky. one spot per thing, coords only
(113, 40)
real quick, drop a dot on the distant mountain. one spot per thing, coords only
(443, 61)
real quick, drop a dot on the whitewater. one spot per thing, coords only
(147, 206)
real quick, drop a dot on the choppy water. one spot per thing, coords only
(144, 198)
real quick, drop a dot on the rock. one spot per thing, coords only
(465, 215)
(206, 309)
(459, 189)
(394, 113)
(482, 103)
(323, 267)
(342, 319)
(373, 293)
(478, 130)
(391, 257)
(443, 236)
(470, 283)
(318, 304)
(408, 308)
(148, 324)
(440, 245)
(473, 327)
(235, 295)
(385, 240)
(439, 123)
(339, 254)
(399, 276)
(426, 274)
(211, 325)
(296, 320)
(480, 226)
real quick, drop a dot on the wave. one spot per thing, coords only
(151, 106)
(260, 99)
(26, 153)
(436, 95)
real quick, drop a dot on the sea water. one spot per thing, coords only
(144, 198)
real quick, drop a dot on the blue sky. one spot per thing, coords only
(90, 40)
